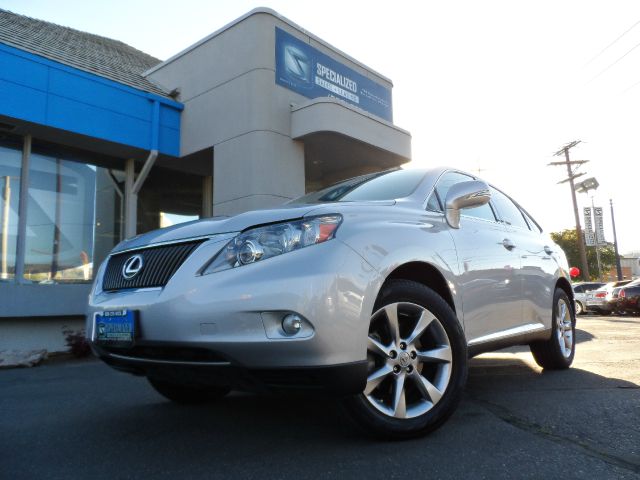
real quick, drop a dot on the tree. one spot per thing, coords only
(567, 239)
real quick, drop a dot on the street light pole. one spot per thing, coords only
(615, 243)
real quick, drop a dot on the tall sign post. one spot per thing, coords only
(594, 228)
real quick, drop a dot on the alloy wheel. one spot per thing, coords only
(410, 360)
(564, 328)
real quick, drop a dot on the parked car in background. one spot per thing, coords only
(603, 300)
(629, 298)
(580, 291)
(377, 289)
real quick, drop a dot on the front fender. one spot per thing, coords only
(387, 244)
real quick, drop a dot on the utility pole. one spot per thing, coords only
(615, 242)
(571, 176)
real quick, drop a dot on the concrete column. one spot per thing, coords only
(22, 209)
(130, 199)
(207, 196)
(6, 197)
(257, 170)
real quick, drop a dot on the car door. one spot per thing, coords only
(487, 268)
(537, 265)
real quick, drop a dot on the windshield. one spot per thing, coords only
(389, 185)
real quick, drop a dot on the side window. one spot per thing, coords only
(449, 179)
(483, 211)
(579, 289)
(533, 225)
(508, 211)
(433, 204)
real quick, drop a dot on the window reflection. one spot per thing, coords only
(66, 200)
(75, 211)
(10, 161)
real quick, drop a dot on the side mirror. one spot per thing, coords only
(465, 195)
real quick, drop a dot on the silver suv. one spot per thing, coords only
(603, 301)
(581, 291)
(377, 289)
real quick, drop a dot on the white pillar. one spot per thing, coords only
(256, 170)
(130, 199)
(22, 209)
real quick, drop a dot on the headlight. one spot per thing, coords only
(260, 243)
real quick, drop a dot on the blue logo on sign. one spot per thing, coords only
(297, 64)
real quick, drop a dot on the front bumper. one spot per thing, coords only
(341, 379)
(601, 306)
(229, 320)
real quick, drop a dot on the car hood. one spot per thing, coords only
(220, 225)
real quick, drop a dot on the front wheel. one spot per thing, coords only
(557, 353)
(417, 361)
(579, 308)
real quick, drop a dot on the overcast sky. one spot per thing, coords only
(491, 85)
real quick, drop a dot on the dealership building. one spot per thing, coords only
(100, 142)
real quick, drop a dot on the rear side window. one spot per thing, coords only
(508, 211)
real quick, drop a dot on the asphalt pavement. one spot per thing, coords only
(82, 420)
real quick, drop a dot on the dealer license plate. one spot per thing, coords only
(117, 327)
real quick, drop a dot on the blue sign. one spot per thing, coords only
(309, 72)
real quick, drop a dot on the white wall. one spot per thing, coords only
(232, 102)
(37, 334)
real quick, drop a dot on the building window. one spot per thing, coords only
(74, 218)
(10, 169)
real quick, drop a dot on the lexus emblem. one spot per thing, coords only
(132, 266)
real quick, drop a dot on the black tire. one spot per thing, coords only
(551, 354)
(184, 394)
(383, 425)
(579, 308)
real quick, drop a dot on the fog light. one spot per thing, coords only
(291, 324)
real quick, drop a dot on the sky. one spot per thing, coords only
(491, 87)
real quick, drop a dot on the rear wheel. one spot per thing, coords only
(417, 359)
(558, 352)
(187, 394)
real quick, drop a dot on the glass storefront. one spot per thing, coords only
(75, 211)
(72, 209)
(10, 169)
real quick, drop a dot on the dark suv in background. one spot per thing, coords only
(629, 298)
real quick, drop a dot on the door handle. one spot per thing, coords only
(508, 244)
(548, 250)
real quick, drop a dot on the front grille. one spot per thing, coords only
(159, 265)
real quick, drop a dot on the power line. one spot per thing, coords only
(612, 43)
(632, 86)
(614, 63)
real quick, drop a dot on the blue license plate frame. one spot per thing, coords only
(115, 327)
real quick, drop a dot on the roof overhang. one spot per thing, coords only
(38, 91)
(325, 118)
